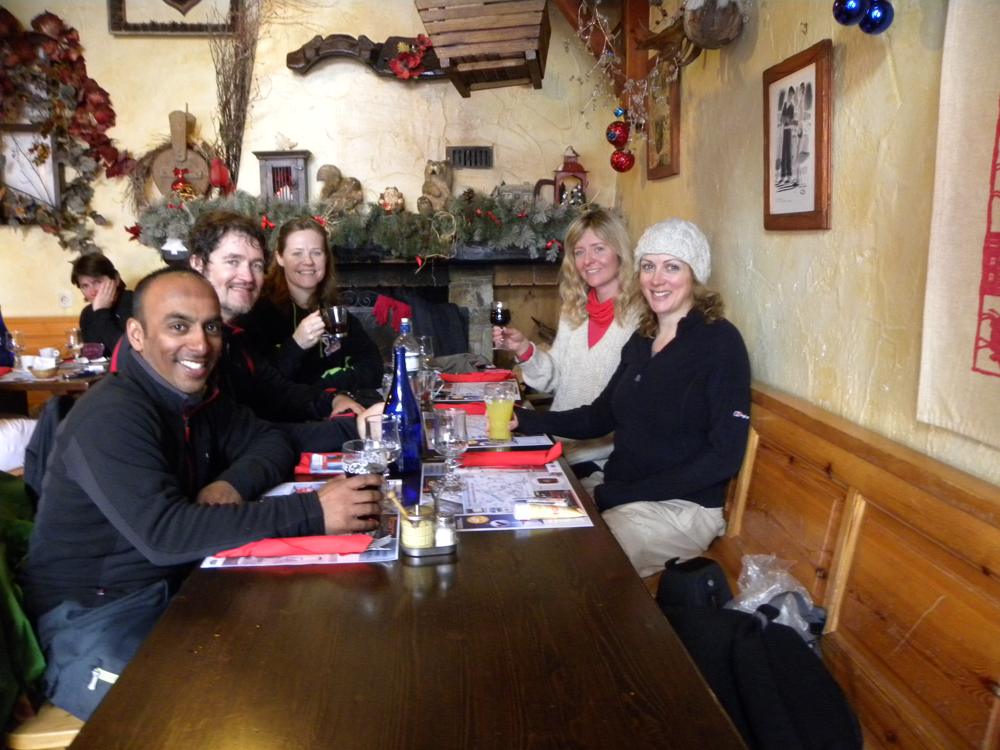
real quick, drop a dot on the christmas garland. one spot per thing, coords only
(470, 219)
(44, 82)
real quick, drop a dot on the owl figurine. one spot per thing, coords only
(391, 200)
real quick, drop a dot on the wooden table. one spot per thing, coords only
(14, 393)
(540, 639)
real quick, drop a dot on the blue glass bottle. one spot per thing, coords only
(402, 404)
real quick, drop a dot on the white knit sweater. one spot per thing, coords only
(576, 374)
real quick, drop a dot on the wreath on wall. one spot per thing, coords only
(497, 220)
(44, 83)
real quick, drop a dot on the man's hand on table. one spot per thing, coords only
(218, 493)
(346, 499)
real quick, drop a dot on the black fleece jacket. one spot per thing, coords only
(354, 363)
(107, 325)
(117, 509)
(680, 418)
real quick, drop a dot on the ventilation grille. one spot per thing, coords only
(470, 157)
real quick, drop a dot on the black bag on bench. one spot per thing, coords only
(698, 582)
(776, 690)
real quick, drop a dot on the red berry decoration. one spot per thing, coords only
(618, 133)
(622, 161)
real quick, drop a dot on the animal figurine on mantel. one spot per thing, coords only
(438, 178)
(391, 200)
(342, 194)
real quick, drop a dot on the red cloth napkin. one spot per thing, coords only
(348, 544)
(5, 370)
(512, 458)
(476, 407)
(486, 376)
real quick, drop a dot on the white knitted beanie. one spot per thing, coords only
(679, 238)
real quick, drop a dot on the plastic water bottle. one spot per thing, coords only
(409, 343)
(402, 404)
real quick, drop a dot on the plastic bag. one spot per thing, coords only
(765, 582)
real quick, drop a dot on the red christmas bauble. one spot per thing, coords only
(622, 161)
(618, 133)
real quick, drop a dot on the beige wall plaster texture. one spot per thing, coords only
(832, 316)
(376, 129)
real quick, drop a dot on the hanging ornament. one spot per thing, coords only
(618, 133)
(620, 111)
(622, 161)
(849, 12)
(878, 18)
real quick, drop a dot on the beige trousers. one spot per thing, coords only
(651, 533)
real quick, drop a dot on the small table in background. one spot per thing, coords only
(16, 386)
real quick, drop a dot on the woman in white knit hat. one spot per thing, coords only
(600, 311)
(678, 404)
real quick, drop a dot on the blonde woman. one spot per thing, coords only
(600, 302)
(678, 404)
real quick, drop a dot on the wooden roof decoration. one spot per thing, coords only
(484, 44)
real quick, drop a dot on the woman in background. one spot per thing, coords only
(109, 302)
(679, 405)
(600, 304)
(286, 324)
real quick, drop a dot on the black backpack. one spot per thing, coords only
(698, 582)
(775, 688)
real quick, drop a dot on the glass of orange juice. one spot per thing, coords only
(500, 398)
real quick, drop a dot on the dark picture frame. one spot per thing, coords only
(41, 183)
(797, 115)
(663, 128)
(125, 18)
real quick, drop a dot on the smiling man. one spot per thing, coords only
(228, 249)
(151, 471)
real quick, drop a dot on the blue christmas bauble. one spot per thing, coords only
(849, 12)
(619, 111)
(878, 18)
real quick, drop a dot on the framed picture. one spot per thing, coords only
(172, 17)
(663, 127)
(797, 104)
(30, 173)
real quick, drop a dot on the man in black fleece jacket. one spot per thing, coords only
(230, 251)
(152, 470)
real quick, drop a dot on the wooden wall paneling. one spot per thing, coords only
(843, 556)
(791, 512)
(43, 331)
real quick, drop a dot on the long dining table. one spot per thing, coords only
(523, 639)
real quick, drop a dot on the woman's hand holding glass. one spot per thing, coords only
(451, 440)
(511, 339)
(309, 330)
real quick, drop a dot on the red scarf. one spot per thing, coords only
(600, 315)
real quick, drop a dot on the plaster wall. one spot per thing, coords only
(379, 130)
(832, 316)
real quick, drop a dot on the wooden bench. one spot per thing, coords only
(903, 551)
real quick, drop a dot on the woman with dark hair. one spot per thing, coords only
(286, 324)
(109, 302)
(678, 404)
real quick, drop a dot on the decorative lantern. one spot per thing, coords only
(283, 176)
(569, 180)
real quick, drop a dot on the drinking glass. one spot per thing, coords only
(335, 318)
(15, 345)
(74, 342)
(426, 344)
(361, 457)
(499, 316)
(425, 383)
(383, 435)
(450, 440)
(500, 398)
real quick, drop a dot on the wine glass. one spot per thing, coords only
(74, 342)
(450, 440)
(500, 316)
(383, 435)
(15, 345)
